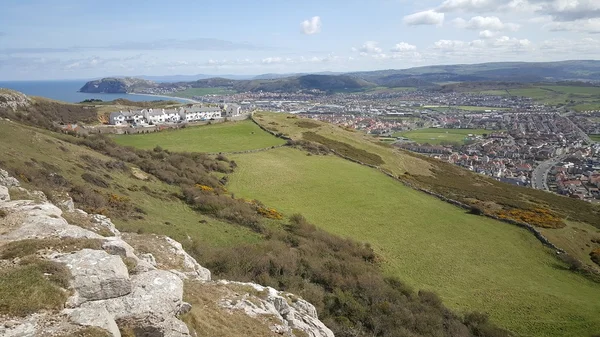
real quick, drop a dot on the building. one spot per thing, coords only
(182, 114)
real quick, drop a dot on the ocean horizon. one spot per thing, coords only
(67, 91)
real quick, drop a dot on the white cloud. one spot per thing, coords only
(369, 47)
(403, 47)
(492, 23)
(473, 6)
(449, 45)
(312, 26)
(425, 18)
(569, 10)
(486, 34)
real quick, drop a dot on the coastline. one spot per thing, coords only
(163, 96)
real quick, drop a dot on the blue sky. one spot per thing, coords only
(51, 39)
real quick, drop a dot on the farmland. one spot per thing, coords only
(223, 137)
(472, 262)
(439, 136)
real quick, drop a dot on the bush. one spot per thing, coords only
(342, 279)
(95, 180)
(595, 256)
(476, 210)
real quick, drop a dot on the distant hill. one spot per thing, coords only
(112, 85)
(524, 72)
(421, 77)
(288, 84)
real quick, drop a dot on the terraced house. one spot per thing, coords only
(182, 114)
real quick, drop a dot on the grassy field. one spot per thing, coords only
(595, 138)
(165, 215)
(223, 137)
(296, 129)
(191, 92)
(438, 136)
(474, 263)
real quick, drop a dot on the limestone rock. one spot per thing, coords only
(106, 223)
(290, 311)
(153, 303)
(116, 246)
(99, 318)
(148, 258)
(96, 275)
(41, 220)
(192, 269)
(4, 195)
(7, 181)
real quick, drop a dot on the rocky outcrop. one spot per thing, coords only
(289, 311)
(112, 85)
(97, 275)
(116, 290)
(13, 100)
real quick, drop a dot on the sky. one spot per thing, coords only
(67, 39)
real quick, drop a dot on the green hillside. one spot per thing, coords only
(239, 136)
(472, 262)
(31, 154)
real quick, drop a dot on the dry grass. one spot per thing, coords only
(89, 331)
(28, 247)
(85, 221)
(207, 318)
(32, 286)
(157, 246)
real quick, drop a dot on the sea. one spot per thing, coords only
(67, 91)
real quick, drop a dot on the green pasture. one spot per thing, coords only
(221, 137)
(474, 263)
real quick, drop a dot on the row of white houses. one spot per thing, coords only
(182, 114)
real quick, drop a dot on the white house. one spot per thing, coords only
(191, 114)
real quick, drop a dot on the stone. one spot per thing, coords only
(148, 258)
(299, 315)
(7, 181)
(98, 317)
(41, 220)
(4, 195)
(105, 222)
(67, 204)
(116, 246)
(26, 327)
(192, 268)
(97, 275)
(157, 291)
(184, 308)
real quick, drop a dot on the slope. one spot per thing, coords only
(32, 154)
(474, 263)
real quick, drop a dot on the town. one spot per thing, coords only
(521, 142)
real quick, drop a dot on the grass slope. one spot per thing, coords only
(297, 129)
(223, 137)
(165, 215)
(438, 136)
(474, 263)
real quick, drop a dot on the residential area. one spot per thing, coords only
(189, 113)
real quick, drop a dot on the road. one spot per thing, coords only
(539, 177)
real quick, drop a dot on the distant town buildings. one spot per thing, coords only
(186, 114)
